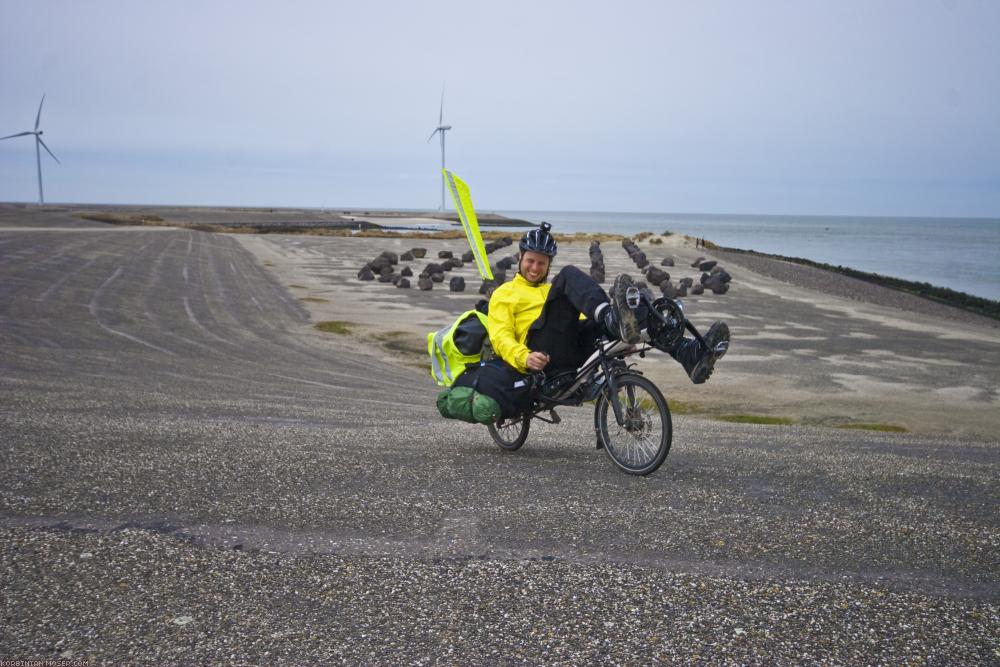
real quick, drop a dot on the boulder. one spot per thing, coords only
(687, 282)
(406, 256)
(366, 274)
(682, 289)
(450, 264)
(391, 257)
(718, 288)
(656, 276)
(640, 259)
(500, 277)
(722, 275)
(668, 289)
(506, 241)
(704, 278)
(697, 262)
(425, 284)
(437, 277)
(432, 268)
(445, 254)
(457, 284)
(487, 286)
(380, 263)
(667, 261)
(467, 256)
(419, 253)
(698, 289)
(717, 284)
(385, 271)
(505, 263)
(386, 277)
(407, 271)
(707, 265)
(403, 283)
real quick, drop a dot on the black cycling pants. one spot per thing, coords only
(559, 331)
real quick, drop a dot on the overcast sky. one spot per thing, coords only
(799, 107)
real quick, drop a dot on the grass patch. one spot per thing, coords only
(298, 287)
(334, 326)
(756, 419)
(678, 407)
(314, 299)
(882, 428)
(667, 233)
(403, 342)
(656, 240)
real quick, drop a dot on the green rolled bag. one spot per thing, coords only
(468, 405)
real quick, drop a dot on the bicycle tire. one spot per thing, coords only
(641, 445)
(511, 433)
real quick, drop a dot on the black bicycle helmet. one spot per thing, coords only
(539, 240)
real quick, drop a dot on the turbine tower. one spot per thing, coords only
(442, 128)
(38, 154)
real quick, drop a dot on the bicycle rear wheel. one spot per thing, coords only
(510, 434)
(641, 444)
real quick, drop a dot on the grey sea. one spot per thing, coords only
(959, 253)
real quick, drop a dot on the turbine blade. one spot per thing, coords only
(11, 136)
(47, 149)
(38, 118)
(428, 138)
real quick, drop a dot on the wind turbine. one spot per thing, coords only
(38, 154)
(442, 128)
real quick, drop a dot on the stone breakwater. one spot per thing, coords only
(836, 284)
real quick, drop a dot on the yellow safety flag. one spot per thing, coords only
(463, 204)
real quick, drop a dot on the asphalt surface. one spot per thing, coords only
(191, 475)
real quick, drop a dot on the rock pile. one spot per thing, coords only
(596, 262)
(717, 280)
(713, 277)
(634, 253)
(383, 268)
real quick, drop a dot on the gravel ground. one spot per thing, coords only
(189, 474)
(156, 599)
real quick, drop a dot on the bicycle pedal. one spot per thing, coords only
(632, 297)
(555, 418)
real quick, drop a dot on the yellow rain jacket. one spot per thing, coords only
(514, 306)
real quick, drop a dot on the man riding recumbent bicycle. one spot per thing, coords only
(566, 342)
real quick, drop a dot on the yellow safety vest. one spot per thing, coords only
(456, 346)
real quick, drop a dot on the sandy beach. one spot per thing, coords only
(830, 350)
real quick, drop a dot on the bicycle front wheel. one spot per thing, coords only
(510, 434)
(641, 443)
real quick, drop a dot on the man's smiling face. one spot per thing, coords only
(534, 266)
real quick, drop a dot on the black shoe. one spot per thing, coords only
(620, 321)
(698, 361)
